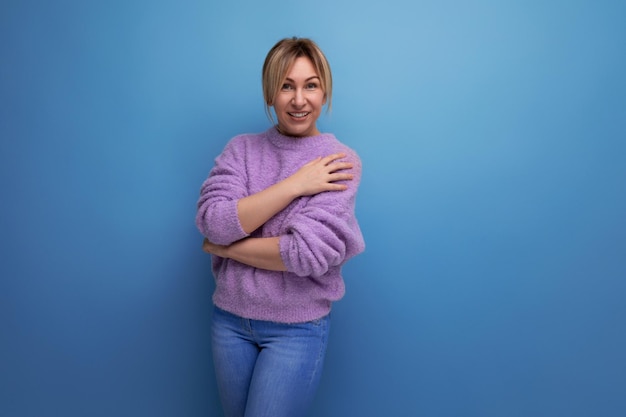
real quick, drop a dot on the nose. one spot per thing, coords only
(298, 98)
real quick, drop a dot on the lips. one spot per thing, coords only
(298, 115)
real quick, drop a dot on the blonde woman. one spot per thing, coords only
(277, 214)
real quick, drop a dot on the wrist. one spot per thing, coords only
(223, 252)
(290, 188)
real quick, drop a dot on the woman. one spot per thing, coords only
(277, 213)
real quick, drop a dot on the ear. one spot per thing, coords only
(324, 102)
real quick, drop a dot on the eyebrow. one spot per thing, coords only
(308, 79)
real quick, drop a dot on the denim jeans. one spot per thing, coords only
(267, 369)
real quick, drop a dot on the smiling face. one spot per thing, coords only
(299, 101)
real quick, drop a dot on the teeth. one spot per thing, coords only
(299, 114)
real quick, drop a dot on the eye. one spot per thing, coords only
(311, 86)
(287, 87)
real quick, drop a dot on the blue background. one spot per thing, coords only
(493, 137)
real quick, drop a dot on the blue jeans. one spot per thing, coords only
(267, 369)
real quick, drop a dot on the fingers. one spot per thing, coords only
(336, 187)
(338, 166)
(333, 157)
(209, 247)
(328, 161)
(341, 177)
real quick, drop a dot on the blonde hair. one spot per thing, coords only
(280, 59)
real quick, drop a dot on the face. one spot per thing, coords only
(299, 102)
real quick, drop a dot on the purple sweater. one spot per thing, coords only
(318, 233)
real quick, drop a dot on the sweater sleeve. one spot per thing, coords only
(217, 217)
(324, 233)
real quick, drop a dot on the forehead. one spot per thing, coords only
(302, 67)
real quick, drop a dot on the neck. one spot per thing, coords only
(315, 132)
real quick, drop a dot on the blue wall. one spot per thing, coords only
(493, 136)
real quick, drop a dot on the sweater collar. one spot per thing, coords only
(291, 142)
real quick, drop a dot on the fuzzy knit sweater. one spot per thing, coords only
(318, 233)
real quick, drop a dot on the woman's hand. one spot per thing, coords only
(321, 174)
(213, 249)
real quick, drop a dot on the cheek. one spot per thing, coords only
(320, 100)
(280, 102)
